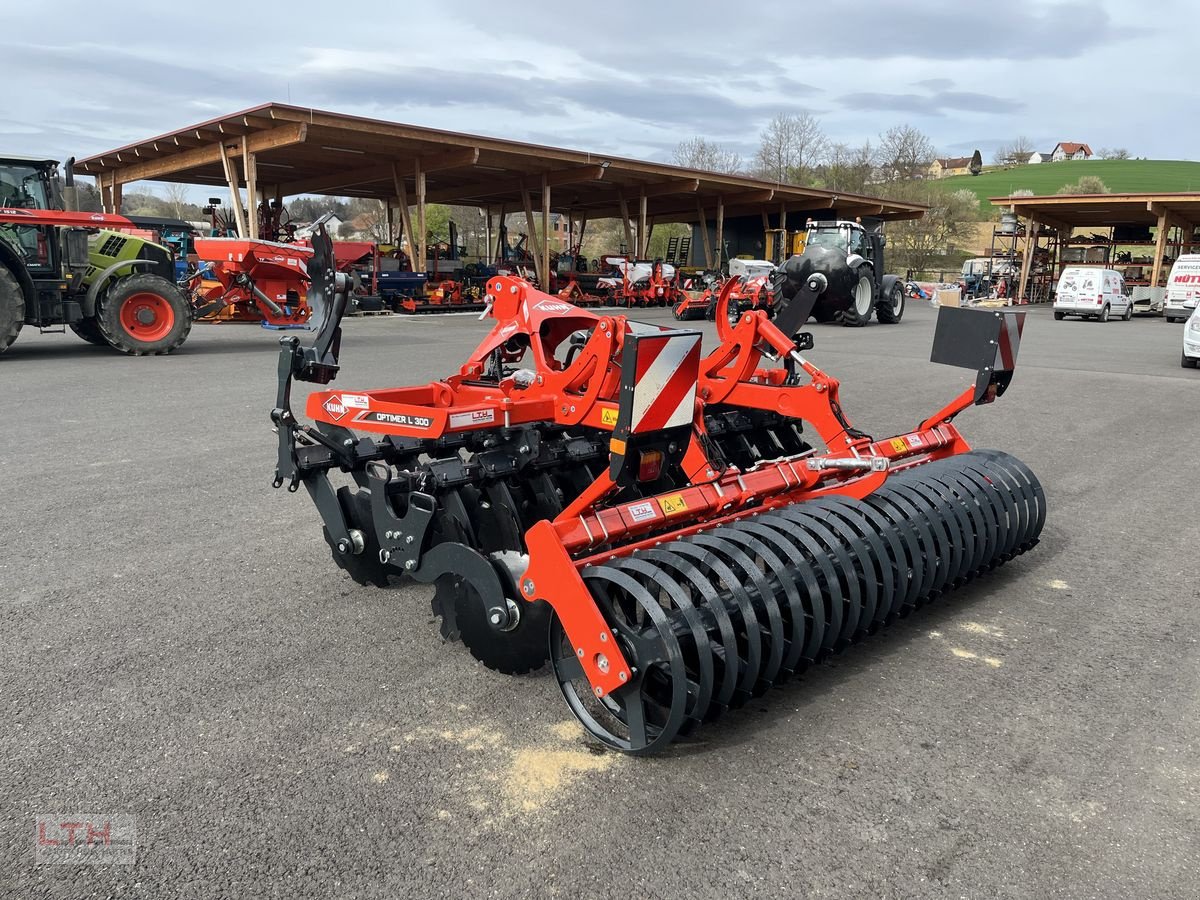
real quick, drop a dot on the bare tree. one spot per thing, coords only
(701, 153)
(847, 168)
(922, 243)
(904, 153)
(1113, 153)
(1015, 153)
(176, 197)
(792, 145)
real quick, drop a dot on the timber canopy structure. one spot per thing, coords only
(277, 150)
(1054, 219)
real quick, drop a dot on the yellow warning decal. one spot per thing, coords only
(672, 504)
(617, 447)
(898, 445)
(608, 417)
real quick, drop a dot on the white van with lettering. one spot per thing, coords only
(1183, 288)
(1092, 293)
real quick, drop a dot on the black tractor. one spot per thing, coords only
(851, 259)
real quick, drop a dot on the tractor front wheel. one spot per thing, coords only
(89, 330)
(144, 315)
(12, 308)
(858, 313)
(892, 310)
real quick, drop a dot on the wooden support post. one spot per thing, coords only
(116, 196)
(105, 194)
(531, 236)
(235, 193)
(405, 219)
(390, 221)
(487, 234)
(649, 235)
(545, 284)
(708, 264)
(422, 235)
(629, 248)
(1160, 248)
(501, 234)
(1031, 234)
(250, 168)
(720, 230)
(643, 242)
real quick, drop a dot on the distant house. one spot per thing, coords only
(333, 225)
(1067, 150)
(1038, 157)
(954, 165)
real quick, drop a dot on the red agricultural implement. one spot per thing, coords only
(447, 295)
(252, 281)
(674, 531)
(735, 296)
(641, 284)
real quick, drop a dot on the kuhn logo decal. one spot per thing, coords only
(334, 407)
(553, 306)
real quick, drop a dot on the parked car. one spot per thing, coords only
(1183, 287)
(1092, 293)
(1191, 341)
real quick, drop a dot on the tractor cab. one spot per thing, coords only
(29, 183)
(850, 238)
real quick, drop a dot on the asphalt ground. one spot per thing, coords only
(179, 648)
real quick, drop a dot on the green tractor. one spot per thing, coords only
(60, 267)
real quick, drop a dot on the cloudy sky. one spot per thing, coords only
(618, 77)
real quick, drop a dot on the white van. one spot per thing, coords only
(1092, 293)
(1183, 288)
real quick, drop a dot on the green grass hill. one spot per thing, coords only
(1120, 175)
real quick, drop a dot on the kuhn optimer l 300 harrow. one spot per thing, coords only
(676, 532)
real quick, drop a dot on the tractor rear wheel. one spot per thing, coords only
(144, 315)
(891, 310)
(858, 313)
(89, 330)
(12, 308)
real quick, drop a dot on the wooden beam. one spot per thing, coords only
(531, 236)
(666, 188)
(629, 248)
(334, 180)
(582, 230)
(451, 159)
(422, 232)
(283, 136)
(545, 285)
(703, 218)
(1031, 234)
(1160, 247)
(750, 198)
(405, 222)
(643, 243)
(250, 168)
(235, 193)
(497, 186)
(721, 229)
(116, 198)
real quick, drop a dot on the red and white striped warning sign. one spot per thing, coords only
(664, 393)
(1009, 341)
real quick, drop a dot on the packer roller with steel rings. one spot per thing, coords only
(673, 531)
